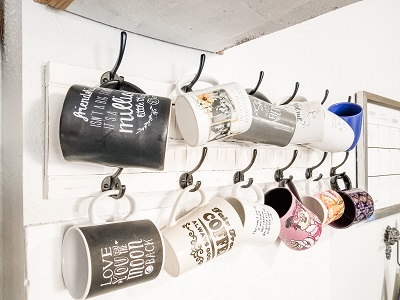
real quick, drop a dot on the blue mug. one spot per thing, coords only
(352, 114)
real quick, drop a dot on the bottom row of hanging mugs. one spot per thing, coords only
(103, 257)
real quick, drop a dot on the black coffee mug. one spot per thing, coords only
(102, 258)
(118, 128)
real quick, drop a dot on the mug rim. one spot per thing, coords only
(348, 204)
(64, 264)
(345, 105)
(321, 203)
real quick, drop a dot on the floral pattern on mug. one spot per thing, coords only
(205, 102)
(307, 222)
(334, 204)
(221, 110)
(363, 202)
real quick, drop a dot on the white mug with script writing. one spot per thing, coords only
(212, 113)
(309, 121)
(103, 257)
(261, 222)
(208, 231)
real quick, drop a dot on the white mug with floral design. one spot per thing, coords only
(212, 113)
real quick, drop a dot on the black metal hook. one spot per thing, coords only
(325, 97)
(112, 182)
(239, 175)
(112, 75)
(279, 173)
(333, 169)
(349, 99)
(188, 88)
(289, 183)
(260, 79)
(186, 179)
(310, 170)
(296, 88)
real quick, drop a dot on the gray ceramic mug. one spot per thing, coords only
(270, 124)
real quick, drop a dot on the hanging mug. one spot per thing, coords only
(208, 231)
(338, 135)
(212, 113)
(358, 204)
(270, 124)
(113, 127)
(300, 227)
(352, 114)
(260, 222)
(103, 257)
(309, 119)
(327, 204)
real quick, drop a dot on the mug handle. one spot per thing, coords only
(172, 219)
(188, 78)
(321, 186)
(95, 219)
(346, 179)
(124, 86)
(254, 187)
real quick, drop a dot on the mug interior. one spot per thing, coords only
(171, 263)
(345, 109)
(316, 207)
(76, 264)
(188, 122)
(349, 213)
(279, 199)
(238, 207)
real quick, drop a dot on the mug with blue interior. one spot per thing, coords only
(352, 114)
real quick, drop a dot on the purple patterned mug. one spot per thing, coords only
(300, 228)
(358, 204)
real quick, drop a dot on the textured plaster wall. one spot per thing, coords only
(12, 158)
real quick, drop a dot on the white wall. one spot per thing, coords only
(351, 49)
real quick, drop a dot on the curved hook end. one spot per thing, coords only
(196, 187)
(249, 183)
(260, 79)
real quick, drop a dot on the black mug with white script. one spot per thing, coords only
(101, 258)
(116, 128)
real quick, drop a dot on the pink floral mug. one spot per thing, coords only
(300, 227)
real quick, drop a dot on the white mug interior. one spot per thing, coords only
(316, 206)
(76, 264)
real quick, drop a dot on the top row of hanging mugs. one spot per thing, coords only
(117, 124)
(228, 111)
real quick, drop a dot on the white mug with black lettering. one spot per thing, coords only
(103, 257)
(261, 222)
(210, 230)
(212, 113)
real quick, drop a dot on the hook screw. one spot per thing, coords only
(112, 182)
(333, 169)
(279, 173)
(310, 170)
(186, 179)
(239, 175)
